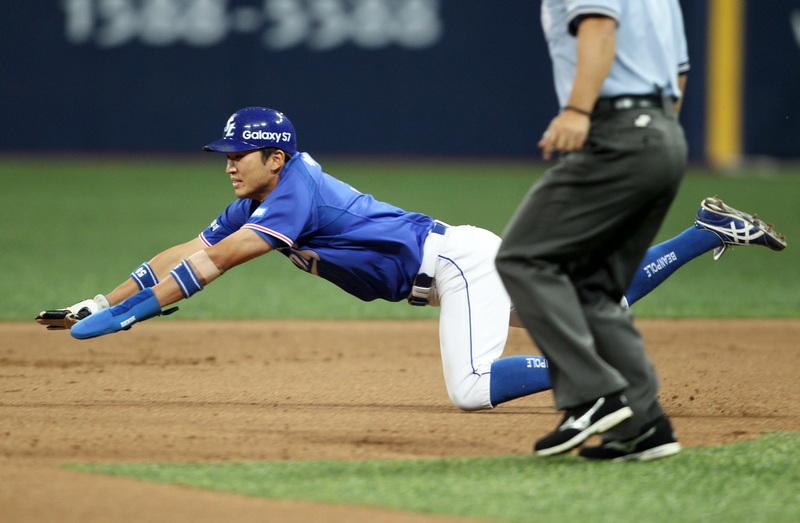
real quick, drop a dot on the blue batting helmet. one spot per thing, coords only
(255, 128)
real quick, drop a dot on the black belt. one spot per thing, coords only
(423, 281)
(621, 103)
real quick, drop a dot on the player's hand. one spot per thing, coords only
(566, 133)
(61, 319)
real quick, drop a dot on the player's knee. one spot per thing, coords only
(469, 405)
(470, 399)
(469, 386)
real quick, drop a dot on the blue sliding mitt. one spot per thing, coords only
(139, 307)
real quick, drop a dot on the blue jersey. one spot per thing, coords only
(369, 248)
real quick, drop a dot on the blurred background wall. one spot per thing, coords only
(430, 77)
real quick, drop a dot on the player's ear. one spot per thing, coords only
(280, 158)
(276, 160)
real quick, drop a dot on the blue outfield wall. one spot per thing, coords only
(443, 77)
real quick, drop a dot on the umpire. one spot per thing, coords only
(574, 244)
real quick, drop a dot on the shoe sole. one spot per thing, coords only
(717, 206)
(603, 424)
(662, 451)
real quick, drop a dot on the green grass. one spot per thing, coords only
(750, 481)
(73, 227)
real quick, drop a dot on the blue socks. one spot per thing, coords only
(517, 376)
(665, 258)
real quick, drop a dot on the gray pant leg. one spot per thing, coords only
(550, 302)
(550, 220)
(620, 345)
(571, 250)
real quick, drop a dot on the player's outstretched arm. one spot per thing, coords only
(147, 274)
(183, 281)
(150, 273)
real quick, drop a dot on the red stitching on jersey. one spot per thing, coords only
(203, 239)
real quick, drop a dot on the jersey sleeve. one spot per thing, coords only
(231, 219)
(286, 213)
(577, 10)
(680, 39)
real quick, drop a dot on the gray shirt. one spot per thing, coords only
(651, 45)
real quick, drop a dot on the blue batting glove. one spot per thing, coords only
(139, 307)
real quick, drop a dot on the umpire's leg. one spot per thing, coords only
(566, 258)
(549, 228)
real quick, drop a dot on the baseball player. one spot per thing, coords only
(371, 249)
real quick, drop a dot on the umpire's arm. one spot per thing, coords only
(596, 47)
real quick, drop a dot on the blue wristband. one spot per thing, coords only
(144, 276)
(186, 278)
(139, 307)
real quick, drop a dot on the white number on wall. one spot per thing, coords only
(318, 25)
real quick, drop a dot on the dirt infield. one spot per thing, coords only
(191, 391)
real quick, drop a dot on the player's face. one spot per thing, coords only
(251, 176)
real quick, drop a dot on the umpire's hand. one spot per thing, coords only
(566, 133)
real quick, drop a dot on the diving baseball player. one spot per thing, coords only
(370, 249)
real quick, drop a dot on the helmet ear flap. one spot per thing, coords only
(256, 128)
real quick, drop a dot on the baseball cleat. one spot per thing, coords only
(657, 440)
(582, 422)
(736, 227)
